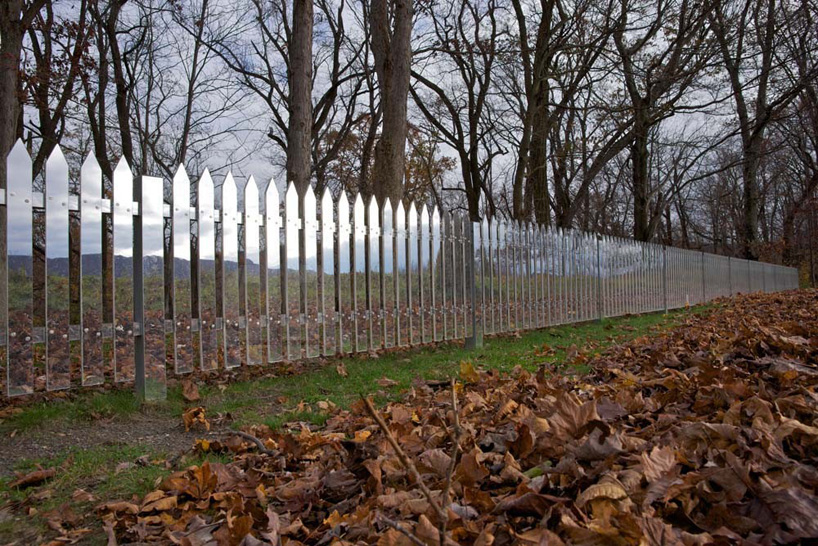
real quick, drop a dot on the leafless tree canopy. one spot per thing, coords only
(688, 123)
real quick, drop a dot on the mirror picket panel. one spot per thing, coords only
(312, 340)
(413, 275)
(360, 275)
(272, 254)
(153, 275)
(374, 278)
(91, 273)
(123, 273)
(57, 273)
(18, 268)
(346, 296)
(329, 318)
(389, 278)
(402, 271)
(485, 276)
(208, 300)
(230, 274)
(425, 318)
(468, 275)
(253, 309)
(446, 275)
(181, 300)
(292, 275)
(437, 276)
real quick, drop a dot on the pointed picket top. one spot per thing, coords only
(230, 195)
(90, 166)
(205, 194)
(387, 217)
(327, 209)
(18, 161)
(251, 203)
(413, 217)
(56, 161)
(327, 203)
(400, 217)
(123, 186)
(343, 209)
(484, 229)
(291, 204)
(374, 215)
(358, 212)
(272, 205)
(310, 213)
(56, 179)
(122, 167)
(181, 190)
(310, 201)
(424, 213)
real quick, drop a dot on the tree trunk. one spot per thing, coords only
(393, 57)
(752, 159)
(641, 185)
(12, 30)
(299, 133)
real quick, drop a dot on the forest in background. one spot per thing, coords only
(691, 123)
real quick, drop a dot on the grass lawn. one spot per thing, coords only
(274, 401)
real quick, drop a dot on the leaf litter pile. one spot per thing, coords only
(704, 434)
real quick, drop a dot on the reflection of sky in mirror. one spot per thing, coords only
(152, 216)
(123, 218)
(91, 190)
(19, 190)
(181, 215)
(56, 201)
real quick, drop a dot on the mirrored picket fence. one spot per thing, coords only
(258, 280)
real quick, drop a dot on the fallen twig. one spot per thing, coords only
(259, 444)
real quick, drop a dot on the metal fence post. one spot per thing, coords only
(140, 380)
(476, 339)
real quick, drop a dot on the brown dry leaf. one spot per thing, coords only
(708, 426)
(195, 416)
(190, 391)
(385, 382)
(341, 369)
(467, 372)
(35, 477)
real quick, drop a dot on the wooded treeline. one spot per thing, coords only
(687, 122)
